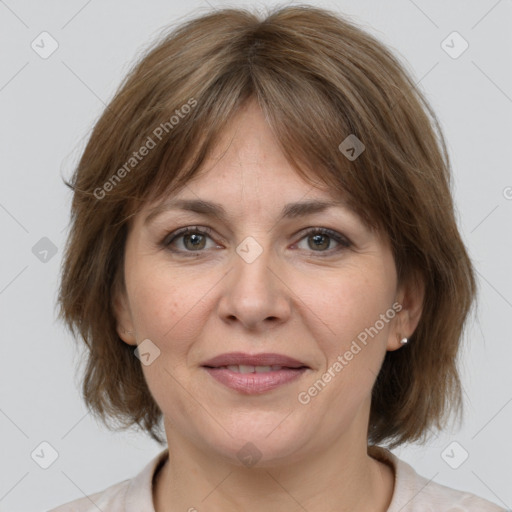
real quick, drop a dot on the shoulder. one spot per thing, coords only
(437, 497)
(415, 493)
(131, 495)
(111, 499)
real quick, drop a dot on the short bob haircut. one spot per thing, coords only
(318, 79)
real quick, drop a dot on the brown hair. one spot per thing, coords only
(318, 78)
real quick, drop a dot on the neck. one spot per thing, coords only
(342, 478)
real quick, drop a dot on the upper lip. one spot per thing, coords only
(264, 359)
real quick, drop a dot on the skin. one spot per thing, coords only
(295, 299)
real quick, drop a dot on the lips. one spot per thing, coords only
(250, 363)
(254, 374)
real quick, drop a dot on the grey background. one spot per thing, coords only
(48, 107)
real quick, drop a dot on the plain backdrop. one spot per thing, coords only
(48, 107)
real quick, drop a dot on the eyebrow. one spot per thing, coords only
(210, 209)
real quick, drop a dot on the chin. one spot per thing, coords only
(259, 444)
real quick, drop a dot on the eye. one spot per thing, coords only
(321, 238)
(194, 240)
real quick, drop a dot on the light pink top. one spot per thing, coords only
(412, 492)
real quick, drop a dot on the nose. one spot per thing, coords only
(255, 292)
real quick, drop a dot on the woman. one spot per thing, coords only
(264, 259)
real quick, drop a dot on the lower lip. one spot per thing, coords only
(254, 383)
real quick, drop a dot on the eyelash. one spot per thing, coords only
(205, 231)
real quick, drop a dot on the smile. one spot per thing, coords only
(247, 379)
(247, 368)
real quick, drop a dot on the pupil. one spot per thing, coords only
(195, 239)
(317, 238)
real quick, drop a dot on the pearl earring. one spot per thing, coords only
(403, 341)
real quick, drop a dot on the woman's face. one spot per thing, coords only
(258, 282)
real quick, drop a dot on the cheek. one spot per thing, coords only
(353, 303)
(166, 302)
(356, 345)
(156, 309)
(165, 307)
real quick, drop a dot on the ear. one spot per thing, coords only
(124, 324)
(410, 296)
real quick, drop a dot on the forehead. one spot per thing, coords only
(247, 168)
(246, 173)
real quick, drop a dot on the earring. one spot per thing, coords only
(403, 341)
(128, 332)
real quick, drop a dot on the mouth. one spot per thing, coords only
(254, 374)
(247, 368)
(249, 362)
